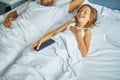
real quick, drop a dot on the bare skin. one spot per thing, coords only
(11, 17)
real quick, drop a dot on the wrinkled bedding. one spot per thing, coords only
(51, 63)
(62, 60)
(14, 40)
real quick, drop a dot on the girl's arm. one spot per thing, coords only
(87, 38)
(83, 43)
(49, 35)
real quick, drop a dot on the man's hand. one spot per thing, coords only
(8, 22)
(11, 17)
(74, 5)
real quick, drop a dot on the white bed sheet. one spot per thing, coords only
(61, 61)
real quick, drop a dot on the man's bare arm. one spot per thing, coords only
(74, 4)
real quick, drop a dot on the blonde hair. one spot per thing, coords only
(93, 16)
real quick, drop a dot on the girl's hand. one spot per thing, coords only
(75, 31)
(37, 44)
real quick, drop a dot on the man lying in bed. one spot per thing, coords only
(45, 15)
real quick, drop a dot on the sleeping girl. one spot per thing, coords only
(85, 20)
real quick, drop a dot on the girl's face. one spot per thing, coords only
(47, 2)
(83, 15)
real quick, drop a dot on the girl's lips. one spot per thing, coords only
(80, 16)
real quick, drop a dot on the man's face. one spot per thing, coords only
(47, 2)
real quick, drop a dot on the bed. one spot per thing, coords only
(61, 61)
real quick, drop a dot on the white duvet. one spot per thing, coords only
(60, 59)
(14, 40)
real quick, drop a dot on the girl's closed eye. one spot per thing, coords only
(80, 10)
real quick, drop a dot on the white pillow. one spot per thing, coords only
(113, 34)
(107, 30)
(110, 13)
(99, 8)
